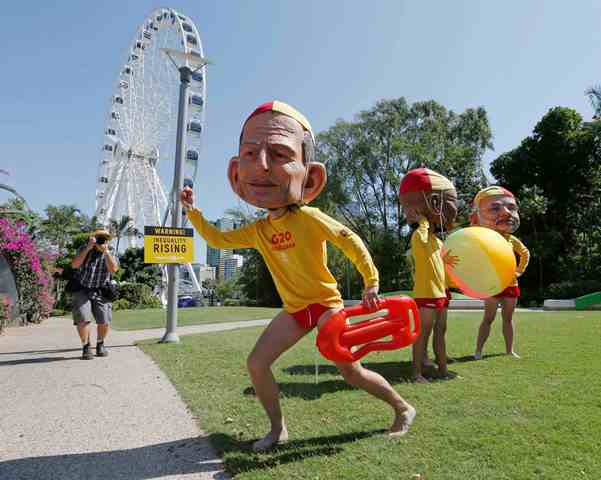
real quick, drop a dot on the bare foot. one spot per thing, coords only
(271, 440)
(513, 354)
(402, 421)
(420, 379)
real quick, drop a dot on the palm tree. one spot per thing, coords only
(60, 224)
(123, 227)
(594, 96)
(89, 224)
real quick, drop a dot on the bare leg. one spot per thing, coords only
(426, 320)
(490, 311)
(102, 331)
(440, 346)
(378, 386)
(507, 309)
(83, 329)
(426, 362)
(281, 334)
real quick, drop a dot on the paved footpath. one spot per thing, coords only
(113, 418)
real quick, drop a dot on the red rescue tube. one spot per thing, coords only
(336, 337)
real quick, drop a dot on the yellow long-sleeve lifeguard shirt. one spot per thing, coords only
(522, 252)
(430, 278)
(294, 249)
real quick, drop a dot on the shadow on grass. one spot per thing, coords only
(470, 358)
(394, 372)
(238, 456)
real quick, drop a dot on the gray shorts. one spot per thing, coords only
(89, 305)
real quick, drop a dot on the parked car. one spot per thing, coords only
(186, 301)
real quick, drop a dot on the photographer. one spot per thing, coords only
(94, 294)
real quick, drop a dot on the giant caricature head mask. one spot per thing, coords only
(426, 193)
(495, 207)
(275, 166)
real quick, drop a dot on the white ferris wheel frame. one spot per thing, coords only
(141, 122)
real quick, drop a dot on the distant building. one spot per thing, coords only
(220, 258)
(201, 272)
(205, 272)
(232, 265)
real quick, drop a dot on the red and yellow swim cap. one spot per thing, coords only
(424, 180)
(490, 192)
(285, 109)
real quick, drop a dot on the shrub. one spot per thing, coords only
(571, 289)
(65, 301)
(232, 302)
(139, 295)
(150, 302)
(133, 292)
(29, 266)
(121, 304)
(4, 312)
(57, 312)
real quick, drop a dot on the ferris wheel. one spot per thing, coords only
(138, 149)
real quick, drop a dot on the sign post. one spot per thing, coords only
(191, 64)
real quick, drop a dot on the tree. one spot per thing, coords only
(89, 224)
(366, 159)
(561, 162)
(123, 227)
(533, 208)
(254, 280)
(62, 222)
(594, 96)
(134, 270)
(18, 211)
(228, 289)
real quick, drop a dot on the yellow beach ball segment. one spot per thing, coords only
(485, 261)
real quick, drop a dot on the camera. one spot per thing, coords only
(100, 240)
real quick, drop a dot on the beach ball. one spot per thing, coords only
(485, 261)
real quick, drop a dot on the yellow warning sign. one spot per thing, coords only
(168, 245)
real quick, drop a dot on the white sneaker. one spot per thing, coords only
(478, 356)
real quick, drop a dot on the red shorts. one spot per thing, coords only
(435, 303)
(509, 292)
(307, 317)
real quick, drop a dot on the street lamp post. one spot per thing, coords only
(180, 148)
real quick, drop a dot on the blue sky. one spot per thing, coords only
(330, 59)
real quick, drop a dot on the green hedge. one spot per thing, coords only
(571, 289)
(121, 304)
(138, 295)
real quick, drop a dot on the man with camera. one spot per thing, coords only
(94, 294)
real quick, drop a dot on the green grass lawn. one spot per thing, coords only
(156, 317)
(503, 418)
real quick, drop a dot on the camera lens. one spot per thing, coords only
(100, 240)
